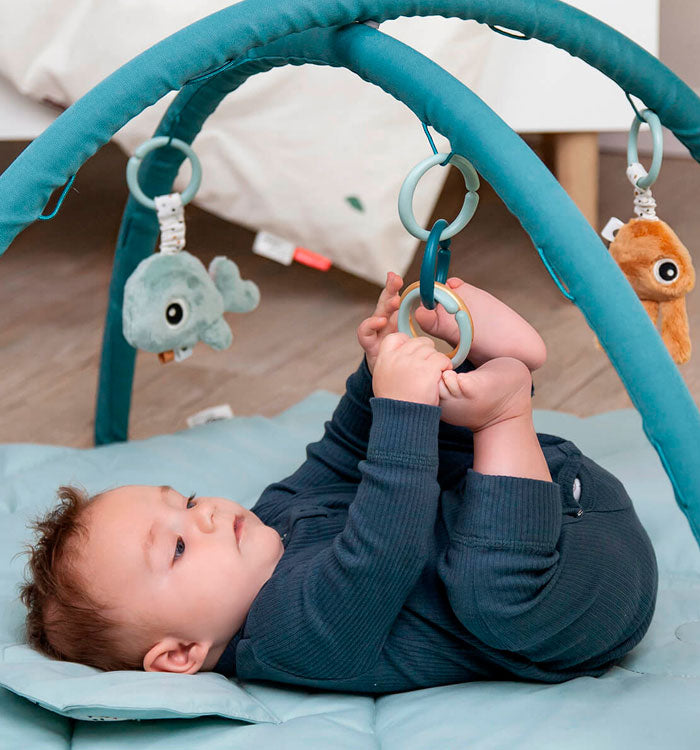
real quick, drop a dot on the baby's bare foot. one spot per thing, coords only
(438, 322)
(498, 330)
(496, 391)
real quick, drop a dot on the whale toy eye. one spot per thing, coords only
(666, 271)
(176, 313)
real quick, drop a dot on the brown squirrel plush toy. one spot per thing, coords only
(659, 268)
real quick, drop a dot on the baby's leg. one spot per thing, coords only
(498, 330)
(497, 390)
(494, 402)
(570, 597)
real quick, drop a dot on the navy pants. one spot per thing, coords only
(571, 601)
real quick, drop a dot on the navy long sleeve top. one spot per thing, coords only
(403, 568)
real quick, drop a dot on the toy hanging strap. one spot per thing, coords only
(171, 218)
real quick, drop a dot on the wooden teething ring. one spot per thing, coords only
(453, 304)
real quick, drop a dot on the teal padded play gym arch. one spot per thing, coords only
(211, 58)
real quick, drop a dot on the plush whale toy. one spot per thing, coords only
(171, 302)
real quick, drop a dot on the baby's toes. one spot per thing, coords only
(468, 384)
(450, 379)
(443, 392)
(441, 324)
(427, 320)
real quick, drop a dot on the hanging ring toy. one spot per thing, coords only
(471, 200)
(434, 268)
(453, 304)
(436, 260)
(134, 163)
(646, 180)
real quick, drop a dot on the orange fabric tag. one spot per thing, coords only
(302, 255)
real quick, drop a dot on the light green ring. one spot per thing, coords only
(464, 323)
(134, 163)
(471, 200)
(658, 147)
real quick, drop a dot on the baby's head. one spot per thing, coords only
(142, 577)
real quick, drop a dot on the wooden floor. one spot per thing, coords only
(53, 296)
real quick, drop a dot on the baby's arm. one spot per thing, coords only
(349, 595)
(336, 457)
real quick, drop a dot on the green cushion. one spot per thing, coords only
(81, 692)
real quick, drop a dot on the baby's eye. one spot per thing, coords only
(179, 548)
(191, 501)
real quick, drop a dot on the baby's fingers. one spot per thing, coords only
(369, 328)
(394, 282)
(394, 341)
(389, 298)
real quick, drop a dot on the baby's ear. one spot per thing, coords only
(173, 655)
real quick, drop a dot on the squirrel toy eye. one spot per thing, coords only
(176, 313)
(666, 271)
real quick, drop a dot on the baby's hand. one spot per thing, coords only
(409, 369)
(373, 330)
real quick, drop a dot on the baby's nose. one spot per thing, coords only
(206, 518)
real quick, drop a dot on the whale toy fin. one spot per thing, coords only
(239, 295)
(218, 335)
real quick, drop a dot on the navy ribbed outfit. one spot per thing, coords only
(404, 568)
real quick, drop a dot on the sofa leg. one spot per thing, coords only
(574, 161)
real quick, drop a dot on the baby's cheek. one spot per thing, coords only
(274, 547)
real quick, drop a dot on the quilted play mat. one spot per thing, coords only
(651, 699)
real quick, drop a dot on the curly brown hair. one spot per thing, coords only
(64, 621)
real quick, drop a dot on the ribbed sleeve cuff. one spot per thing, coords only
(404, 432)
(359, 384)
(506, 510)
(364, 377)
(353, 410)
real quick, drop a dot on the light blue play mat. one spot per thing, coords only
(651, 699)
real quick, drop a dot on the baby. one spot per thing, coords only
(431, 537)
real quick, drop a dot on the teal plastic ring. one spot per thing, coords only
(434, 266)
(658, 147)
(449, 300)
(471, 200)
(134, 163)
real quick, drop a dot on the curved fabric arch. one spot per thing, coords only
(560, 232)
(51, 159)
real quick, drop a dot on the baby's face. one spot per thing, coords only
(194, 566)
